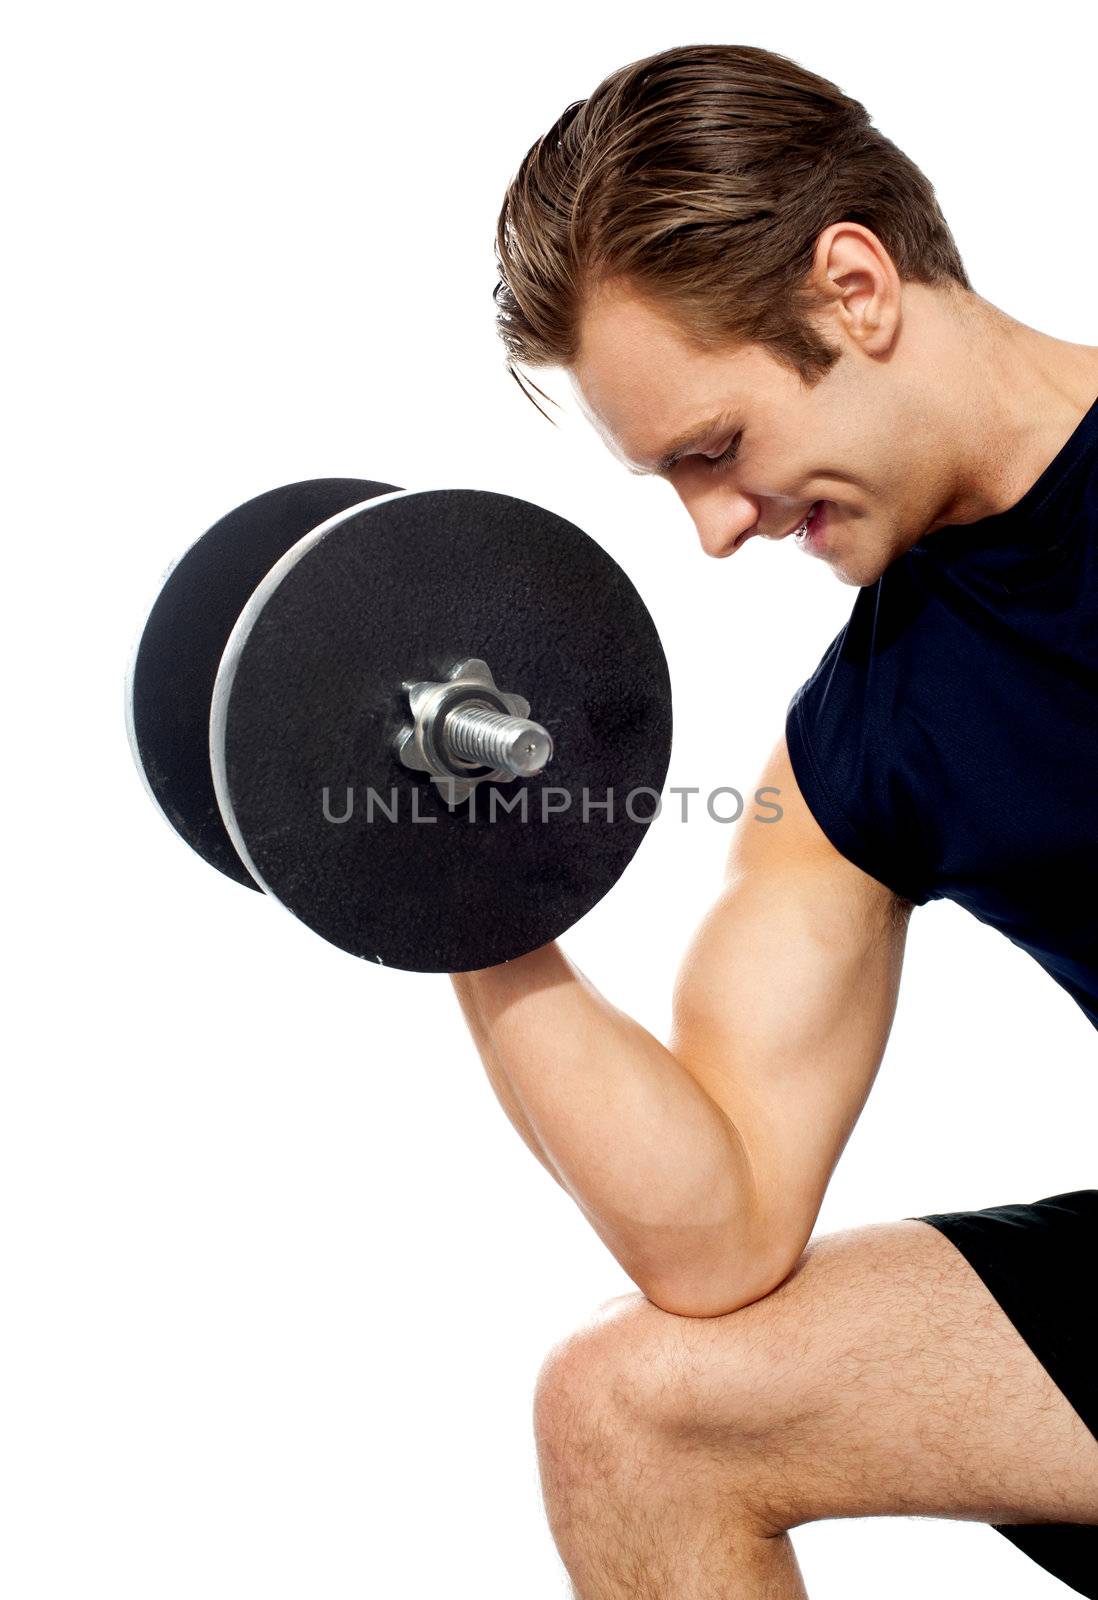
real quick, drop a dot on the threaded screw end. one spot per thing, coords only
(491, 739)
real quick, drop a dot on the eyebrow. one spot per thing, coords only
(684, 444)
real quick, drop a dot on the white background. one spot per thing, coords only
(277, 1274)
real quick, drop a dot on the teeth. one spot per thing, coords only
(802, 532)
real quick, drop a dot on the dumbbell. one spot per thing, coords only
(422, 721)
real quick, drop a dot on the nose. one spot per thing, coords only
(720, 518)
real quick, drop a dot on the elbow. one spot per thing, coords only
(698, 1305)
(711, 1272)
(712, 1298)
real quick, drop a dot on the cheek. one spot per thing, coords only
(784, 464)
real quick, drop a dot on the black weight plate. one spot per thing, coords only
(175, 663)
(309, 697)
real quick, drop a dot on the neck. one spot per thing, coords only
(1012, 398)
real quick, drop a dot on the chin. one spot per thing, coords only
(854, 579)
(859, 574)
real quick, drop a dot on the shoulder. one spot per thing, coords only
(849, 737)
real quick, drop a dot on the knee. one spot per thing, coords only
(634, 1368)
(596, 1375)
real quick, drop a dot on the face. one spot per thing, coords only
(750, 449)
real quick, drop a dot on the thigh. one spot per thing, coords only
(881, 1378)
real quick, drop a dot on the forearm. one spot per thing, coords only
(651, 1160)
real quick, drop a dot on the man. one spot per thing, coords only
(755, 295)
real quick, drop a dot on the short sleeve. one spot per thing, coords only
(845, 731)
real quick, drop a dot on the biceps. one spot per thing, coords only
(782, 1011)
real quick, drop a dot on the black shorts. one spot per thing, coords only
(1040, 1261)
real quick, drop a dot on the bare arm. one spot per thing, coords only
(702, 1165)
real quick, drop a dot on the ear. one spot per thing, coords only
(856, 278)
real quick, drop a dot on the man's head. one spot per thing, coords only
(722, 252)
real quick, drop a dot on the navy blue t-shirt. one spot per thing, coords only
(947, 743)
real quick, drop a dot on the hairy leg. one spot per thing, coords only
(879, 1379)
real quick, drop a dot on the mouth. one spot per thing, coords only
(809, 533)
(805, 534)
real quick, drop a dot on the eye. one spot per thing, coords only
(727, 455)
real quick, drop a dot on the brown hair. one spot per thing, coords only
(703, 176)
